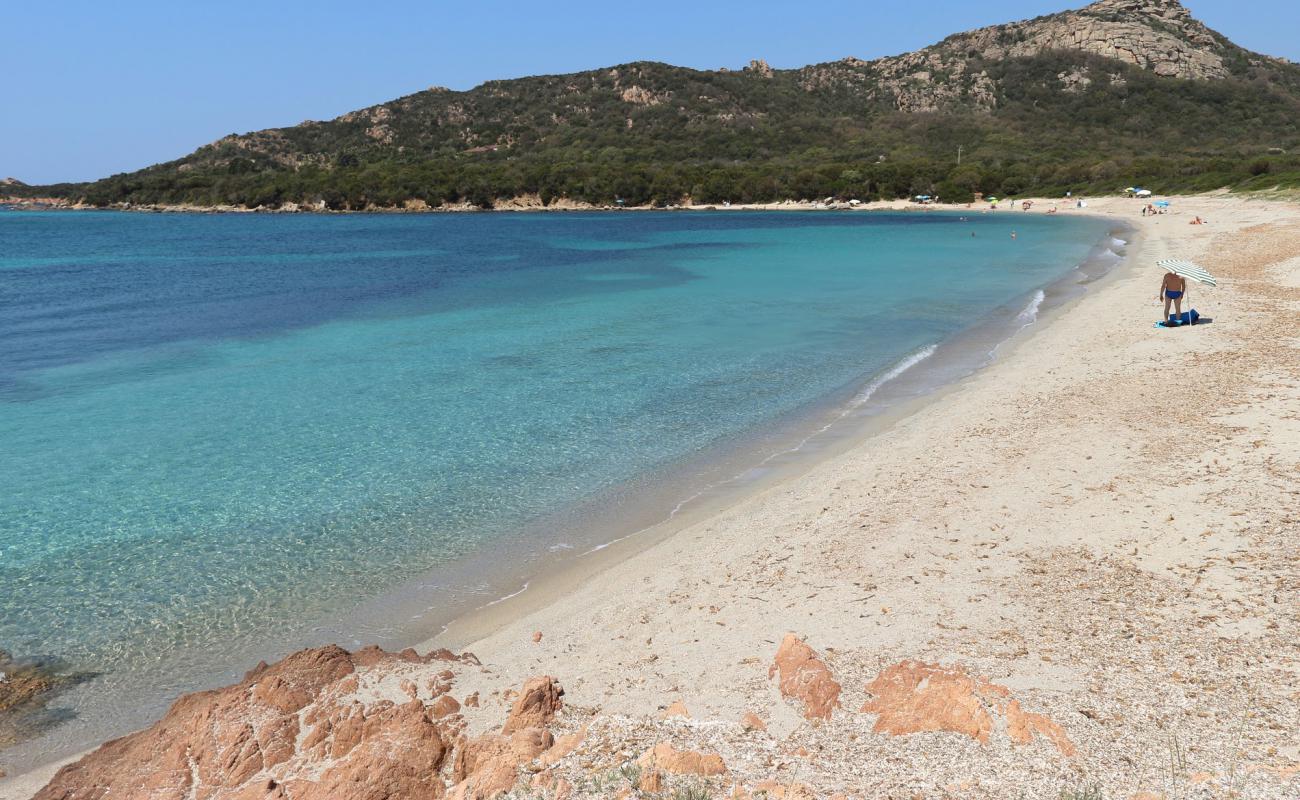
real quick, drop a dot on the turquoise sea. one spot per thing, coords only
(222, 435)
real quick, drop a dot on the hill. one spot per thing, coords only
(1119, 92)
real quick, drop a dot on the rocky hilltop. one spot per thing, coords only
(1094, 99)
(1159, 36)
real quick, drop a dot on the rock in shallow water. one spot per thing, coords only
(26, 687)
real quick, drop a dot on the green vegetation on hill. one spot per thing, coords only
(649, 133)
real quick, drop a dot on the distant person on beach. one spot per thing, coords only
(1172, 289)
(1197, 221)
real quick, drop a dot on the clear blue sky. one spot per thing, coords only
(91, 88)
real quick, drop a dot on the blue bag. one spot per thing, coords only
(1186, 318)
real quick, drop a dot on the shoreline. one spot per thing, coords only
(532, 204)
(695, 565)
(681, 495)
(689, 492)
(579, 619)
(849, 428)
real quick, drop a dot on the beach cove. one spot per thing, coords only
(251, 434)
(1098, 521)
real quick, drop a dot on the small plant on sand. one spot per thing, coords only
(1090, 792)
(630, 772)
(1177, 760)
(691, 793)
(1236, 754)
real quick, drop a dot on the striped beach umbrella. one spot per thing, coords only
(1188, 270)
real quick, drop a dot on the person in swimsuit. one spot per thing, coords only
(1172, 289)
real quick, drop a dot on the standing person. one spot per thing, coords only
(1172, 289)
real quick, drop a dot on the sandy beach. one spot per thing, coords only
(1102, 525)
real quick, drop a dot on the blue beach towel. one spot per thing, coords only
(1178, 320)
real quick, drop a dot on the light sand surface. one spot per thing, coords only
(1104, 520)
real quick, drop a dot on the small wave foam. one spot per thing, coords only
(893, 372)
(1029, 315)
(861, 398)
(507, 597)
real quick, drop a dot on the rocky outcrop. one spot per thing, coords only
(1160, 36)
(489, 765)
(322, 723)
(638, 96)
(805, 678)
(1156, 35)
(535, 706)
(914, 697)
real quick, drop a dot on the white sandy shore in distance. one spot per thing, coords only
(1104, 520)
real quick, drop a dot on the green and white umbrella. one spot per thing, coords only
(1188, 270)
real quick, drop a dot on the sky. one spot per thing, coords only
(90, 88)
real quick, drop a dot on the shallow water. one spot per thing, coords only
(225, 430)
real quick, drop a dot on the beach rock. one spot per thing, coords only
(805, 678)
(665, 757)
(322, 723)
(652, 781)
(753, 722)
(444, 705)
(536, 705)
(563, 747)
(26, 687)
(489, 765)
(537, 637)
(677, 709)
(21, 683)
(914, 697)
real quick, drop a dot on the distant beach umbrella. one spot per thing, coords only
(1143, 192)
(1188, 270)
(1162, 204)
